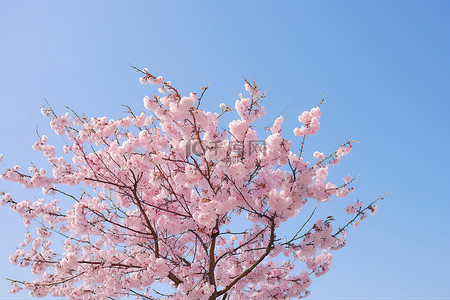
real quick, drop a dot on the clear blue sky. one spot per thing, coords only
(384, 65)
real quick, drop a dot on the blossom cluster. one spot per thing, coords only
(152, 211)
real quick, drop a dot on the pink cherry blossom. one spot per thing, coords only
(170, 197)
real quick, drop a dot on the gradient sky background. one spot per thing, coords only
(384, 65)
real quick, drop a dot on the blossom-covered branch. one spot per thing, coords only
(162, 195)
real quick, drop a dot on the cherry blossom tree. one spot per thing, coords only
(171, 205)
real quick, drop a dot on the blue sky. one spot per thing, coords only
(383, 64)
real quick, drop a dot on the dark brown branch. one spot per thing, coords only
(246, 272)
(171, 276)
(212, 262)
